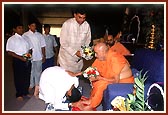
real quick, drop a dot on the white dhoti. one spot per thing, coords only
(72, 37)
(69, 62)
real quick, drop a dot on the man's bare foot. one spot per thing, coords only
(20, 98)
(36, 91)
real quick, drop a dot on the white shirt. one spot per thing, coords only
(54, 83)
(18, 45)
(37, 40)
(72, 37)
(50, 44)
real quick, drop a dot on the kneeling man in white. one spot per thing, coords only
(56, 87)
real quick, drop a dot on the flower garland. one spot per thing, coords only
(90, 72)
(27, 56)
(87, 52)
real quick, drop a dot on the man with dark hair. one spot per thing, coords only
(80, 10)
(38, 54)
(74, 96)
(113, 41)
(51, 48)
(47, 26)
(16, 47)
(75, 33)
(58, 89)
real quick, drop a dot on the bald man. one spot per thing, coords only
(113, 68)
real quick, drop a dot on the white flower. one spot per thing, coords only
(90, 71)
(119, 103)
(87, 52)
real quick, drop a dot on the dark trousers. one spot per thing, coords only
(48, 63)
(22, 72)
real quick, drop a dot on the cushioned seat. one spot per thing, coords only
(143, 59)
(115, 90)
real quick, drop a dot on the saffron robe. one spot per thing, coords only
(107, 69)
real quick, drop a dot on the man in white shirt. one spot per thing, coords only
(75, 33)
(16, 47)
(38, 54)
(55, 85)
(51, 48)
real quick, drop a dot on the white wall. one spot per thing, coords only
(55, 31)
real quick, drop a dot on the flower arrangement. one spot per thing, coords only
(118, 103)
(27, 56)
(90, 71)
(134, 101)
(87, 52)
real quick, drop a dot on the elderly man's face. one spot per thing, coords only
(80, 18)
(99, 53)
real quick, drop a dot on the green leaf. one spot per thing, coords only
(131, 97)
(145, 77)
(140, 90)
(136, 102)
(139, 97)
(138, 106)
(138, 83)
(140, 102)
(131, 109)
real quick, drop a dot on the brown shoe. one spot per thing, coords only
(20, 98)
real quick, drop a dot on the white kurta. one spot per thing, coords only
(37, 40)
(54, 84)
(72, 37)
(18, 45)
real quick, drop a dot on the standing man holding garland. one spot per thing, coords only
(74, 34)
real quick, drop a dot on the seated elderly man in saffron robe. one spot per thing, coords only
(113, 68)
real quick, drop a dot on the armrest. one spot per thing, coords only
(113, 90)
